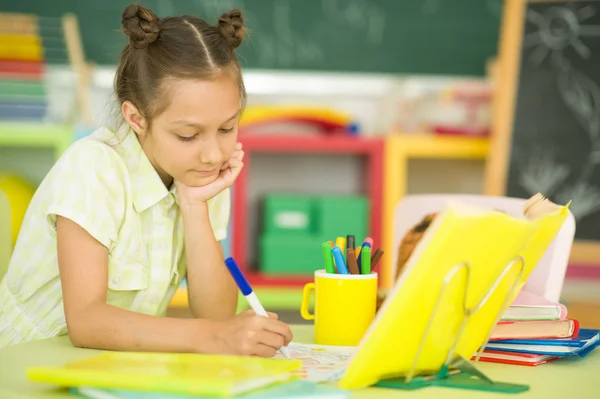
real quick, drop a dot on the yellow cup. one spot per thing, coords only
(344, 306)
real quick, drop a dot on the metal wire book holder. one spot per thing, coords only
(458, 372)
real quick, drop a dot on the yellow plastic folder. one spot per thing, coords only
(189, 374)
(423, 319)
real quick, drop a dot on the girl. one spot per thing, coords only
(125, 215)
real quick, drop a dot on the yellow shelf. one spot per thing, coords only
(424, 145)
(16, 134)
(399, 148)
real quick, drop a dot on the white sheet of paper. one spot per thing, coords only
(321, 363)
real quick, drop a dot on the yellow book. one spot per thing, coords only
(493, 244)
(190, 374)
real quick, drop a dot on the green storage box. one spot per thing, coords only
(287, 254)
(338, 216)
(288, 214)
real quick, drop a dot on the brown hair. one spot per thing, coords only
(183, 47)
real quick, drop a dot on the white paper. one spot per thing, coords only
(321, 363)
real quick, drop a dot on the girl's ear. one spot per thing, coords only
(134, 118)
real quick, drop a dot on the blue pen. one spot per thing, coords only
(339, 260)
(251, 297)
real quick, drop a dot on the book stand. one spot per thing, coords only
(458, 372)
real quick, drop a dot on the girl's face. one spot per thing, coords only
(197, 132)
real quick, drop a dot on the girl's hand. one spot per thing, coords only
(229, 172)
(250, 335)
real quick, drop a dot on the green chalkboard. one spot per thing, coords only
(392, 36)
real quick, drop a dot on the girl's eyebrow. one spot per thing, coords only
(198, 125)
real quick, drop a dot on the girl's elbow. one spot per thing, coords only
(78, 333)
(80, 329)
(77, 337)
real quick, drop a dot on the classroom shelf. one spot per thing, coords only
(399, 148)
(429, 145)
(370, 148)
(15, 134)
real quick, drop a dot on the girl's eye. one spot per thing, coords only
(226, 130)
(183, 138)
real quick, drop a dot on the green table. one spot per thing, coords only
(575, 378)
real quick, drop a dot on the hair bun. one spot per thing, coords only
(141, 25)
(231, 26)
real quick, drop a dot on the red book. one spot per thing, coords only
(519, 359)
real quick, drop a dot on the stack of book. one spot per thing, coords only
(23, 94)
(535, 331)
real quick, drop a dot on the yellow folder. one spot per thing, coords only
(496, 247)
(190, 374)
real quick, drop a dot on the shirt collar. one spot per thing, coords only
(147, 187)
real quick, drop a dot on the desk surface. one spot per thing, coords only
(576, 378)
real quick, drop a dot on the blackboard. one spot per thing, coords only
(554, 145)
(450, 37)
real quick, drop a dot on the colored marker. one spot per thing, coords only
(351, 259)
(366, 260)
(376, 258)
(333, 260)
(368, 242)
(341, 242)
(349, 243)
(339, 260)
(328, 257)
(249, 294)
(358, 252)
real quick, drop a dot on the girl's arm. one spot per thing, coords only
(92, 323)
(212, 291)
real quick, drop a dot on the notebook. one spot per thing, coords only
(190, 374)
(586, 341)
(529, 306)
(291, 390)
(535, 329)
(469, 257)
(519, 359)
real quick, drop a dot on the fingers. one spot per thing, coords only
(273, 315)
(261, 336)
(236, 158)
(234, 171)
(246, 313)
(251, 312)
(270, 339)
(264, 351)
(273, 325)
(237, 154)
(231, 168)
(280, 328)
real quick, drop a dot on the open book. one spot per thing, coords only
(463, 274)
